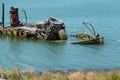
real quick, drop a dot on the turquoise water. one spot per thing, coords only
(43, 56)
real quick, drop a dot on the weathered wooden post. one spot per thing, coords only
(3, 15)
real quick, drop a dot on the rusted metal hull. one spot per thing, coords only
(17, 32)
(43, 30)
(89, 41)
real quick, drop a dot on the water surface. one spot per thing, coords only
(43, 56)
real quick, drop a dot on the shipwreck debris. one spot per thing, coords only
(89, 39)
(50, 29)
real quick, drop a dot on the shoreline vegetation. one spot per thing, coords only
(29, 74)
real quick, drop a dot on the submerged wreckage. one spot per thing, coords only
(50, 29)
(88, 39)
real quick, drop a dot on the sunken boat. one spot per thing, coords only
(85, 38)
(49, 29)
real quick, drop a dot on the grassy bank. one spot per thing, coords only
(28, 74)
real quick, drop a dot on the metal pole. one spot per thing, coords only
(93, 32)
(25, 15)
(3, 15)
